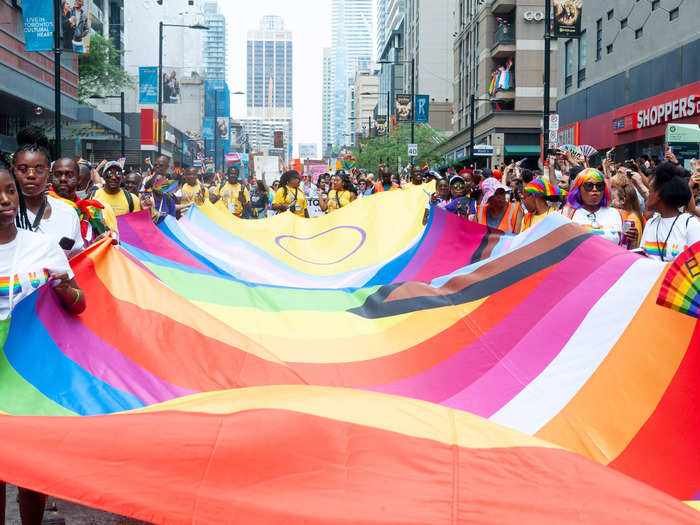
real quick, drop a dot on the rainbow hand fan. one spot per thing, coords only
(680, 289)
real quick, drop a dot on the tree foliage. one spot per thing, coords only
(100, 70)
(389, 150)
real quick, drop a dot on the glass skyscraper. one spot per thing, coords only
(352, 50)
(214, 42)
(269, 83)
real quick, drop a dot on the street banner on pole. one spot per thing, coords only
(567, 18)
(422, 109)
(38, 25)
(148, 85)
(75, 25)
(380, 124)
(403, 108)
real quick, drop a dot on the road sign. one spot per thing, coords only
(483, 150)
(413, 150)
(554, 122)
(553, 137)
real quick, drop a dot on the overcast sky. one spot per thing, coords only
(310, 24)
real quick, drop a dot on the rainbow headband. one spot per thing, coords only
(543, 188)
(588, 175)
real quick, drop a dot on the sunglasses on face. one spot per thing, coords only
(39, 170)
(458, 185)
(69, 176)
(588, 186)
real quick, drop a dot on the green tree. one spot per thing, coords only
(388, 150)
(100, 70)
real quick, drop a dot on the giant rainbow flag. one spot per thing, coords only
(357, 368)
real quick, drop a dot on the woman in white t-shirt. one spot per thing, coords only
(46, 214)
(669, 232)
(29, 260)
(588, 205)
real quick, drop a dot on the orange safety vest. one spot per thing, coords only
(379, 187)
(507, 223)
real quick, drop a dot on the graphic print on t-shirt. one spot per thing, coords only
(5, 286)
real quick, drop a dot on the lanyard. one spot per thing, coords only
(663, 250)
(13, 268)
(40, 215)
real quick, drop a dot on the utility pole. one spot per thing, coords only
(413, 105)
(160, 88)
(123, 129)
(57, 74)
(216, 118)
(471, 128)
(547, 80)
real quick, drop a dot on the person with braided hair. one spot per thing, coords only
(29, 260)
(289, 196)
(47, 214)
(340, 196)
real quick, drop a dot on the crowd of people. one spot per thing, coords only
(51, 210)
(643, 204)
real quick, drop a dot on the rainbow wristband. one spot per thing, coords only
(77, 297)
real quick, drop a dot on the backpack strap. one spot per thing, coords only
(129, 199)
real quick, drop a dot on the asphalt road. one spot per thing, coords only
(71, 513)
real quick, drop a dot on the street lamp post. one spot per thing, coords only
(161, 25)
(121, 117)
(547, 74)
(472, 100)
(57, 73)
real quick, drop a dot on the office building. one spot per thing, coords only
(260, 136)
(634, 73)
(390, 53)
(27, 92)
(214, 45)
(500, 41)
(363, 95)
(182, 46)
(352, 50)
(428, 28)
(327, 103)
(269, 78)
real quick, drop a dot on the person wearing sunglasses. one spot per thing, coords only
(588, 205)
(461, 204)
(112, 194)
(47, 214)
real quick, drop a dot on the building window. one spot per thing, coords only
(599, 39)
(609, 49)
(623, 23)
(655, 4)
(568, 65)
(638, 33)
(673, 14)
(581, 58)
(611, 13)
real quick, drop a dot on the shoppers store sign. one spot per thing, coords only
(675, 109)
(660, 110)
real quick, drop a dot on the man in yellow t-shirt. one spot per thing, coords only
(112, 194)
(232, 193)
(290, 197)
(193, 191)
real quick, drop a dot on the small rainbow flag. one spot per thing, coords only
(165, 186)
(680, 289)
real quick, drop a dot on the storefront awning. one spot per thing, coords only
(512, 151)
